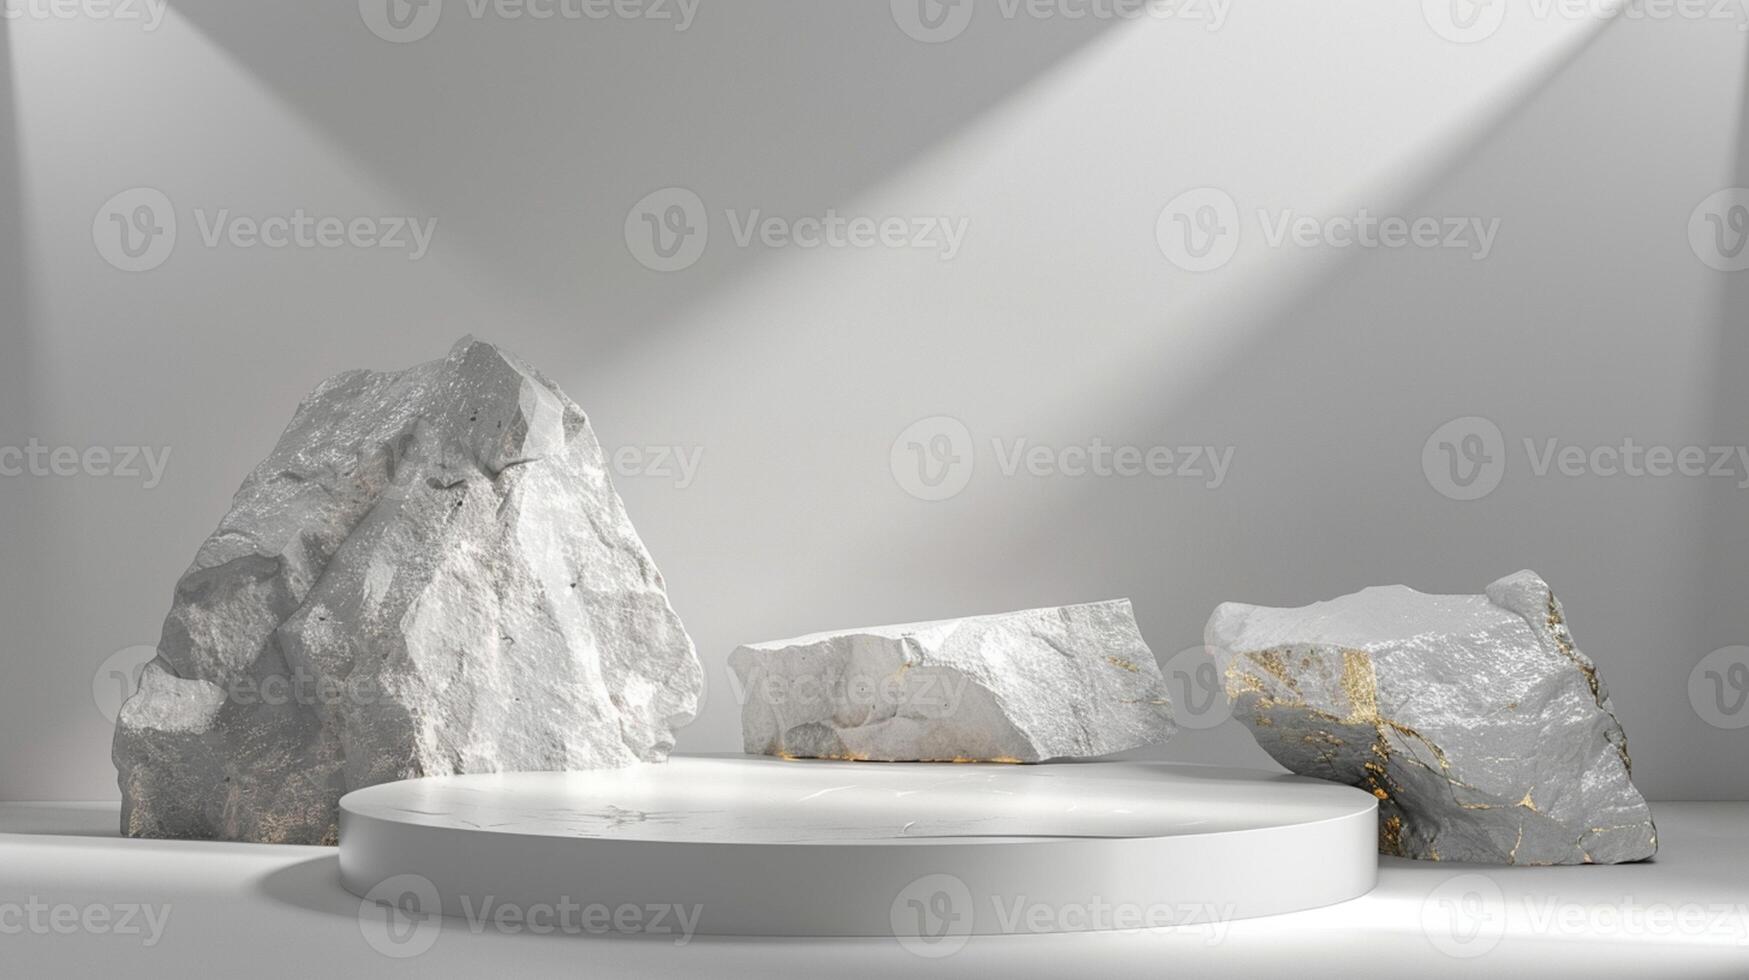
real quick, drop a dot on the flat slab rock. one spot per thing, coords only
(1485, 733)
(1065, 682)
(431, 574)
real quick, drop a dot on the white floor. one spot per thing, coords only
(76, 900)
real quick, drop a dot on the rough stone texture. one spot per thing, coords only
(431, 574)
(1484, 732)
(1066, 682)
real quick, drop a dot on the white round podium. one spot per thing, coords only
(768, 847)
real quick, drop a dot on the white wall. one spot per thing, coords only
(1059, 320)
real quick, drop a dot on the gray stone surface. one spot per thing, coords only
(1065, 682)
(1483, 731)
(431, 574)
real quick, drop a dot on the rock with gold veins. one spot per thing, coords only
(1064, 682)
(430, 574)
(1484, 732)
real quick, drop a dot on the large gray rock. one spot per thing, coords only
(431, 574)
(1067, 682)
(1483, 731)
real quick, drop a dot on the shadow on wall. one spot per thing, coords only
(787, 106)
(1588, 325)
(1383, 347)
(1311, 402)
(1590, 322)
(22, 542)
(15, 379)
(1723, 569)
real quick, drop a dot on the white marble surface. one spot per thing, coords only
(763, 846)
(759, 800)
(279, 911)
